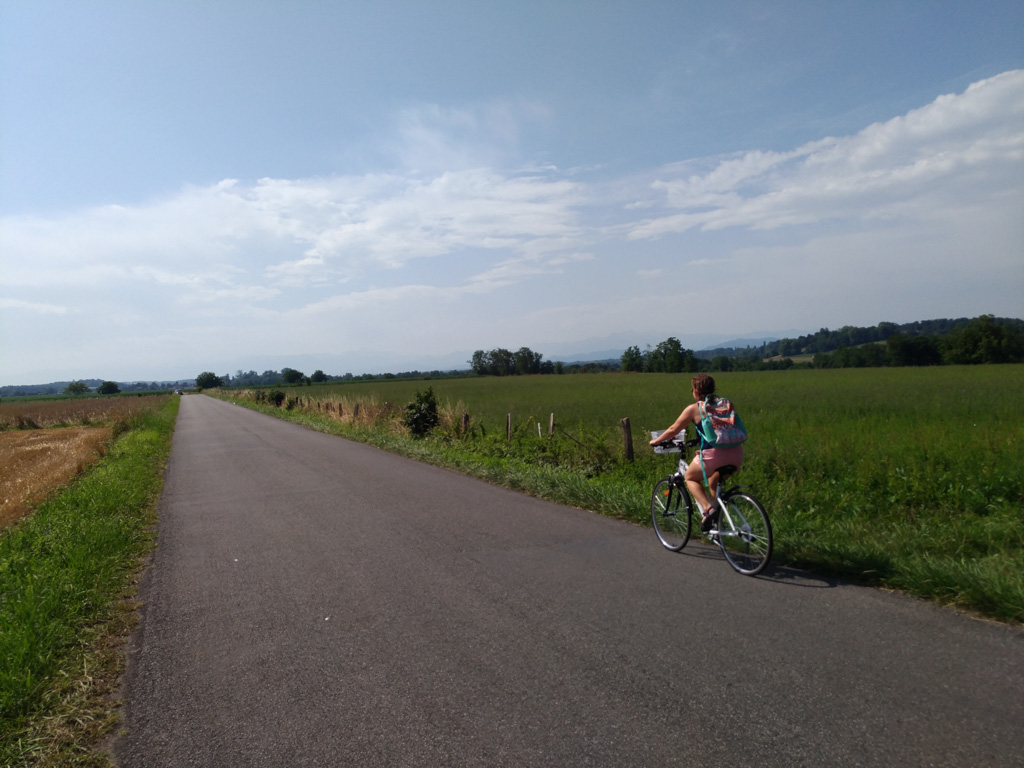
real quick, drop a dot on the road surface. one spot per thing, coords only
(318, 602)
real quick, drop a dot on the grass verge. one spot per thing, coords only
(67, 583)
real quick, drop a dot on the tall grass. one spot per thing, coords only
(907, 478)
(63, 572)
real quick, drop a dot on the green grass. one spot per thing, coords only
(66, 575)
(908, 478)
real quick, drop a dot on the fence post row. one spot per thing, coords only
(624, 423)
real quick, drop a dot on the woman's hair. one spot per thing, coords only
(703, 385)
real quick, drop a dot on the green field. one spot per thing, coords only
(904, 477)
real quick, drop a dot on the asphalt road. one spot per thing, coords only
(317, 602)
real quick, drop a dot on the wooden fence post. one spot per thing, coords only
(465, 423)
(508, 427)
(551, 425)
(355, 412)
(627, 438)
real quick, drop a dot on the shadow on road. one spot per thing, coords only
(779, 574)
(796, 578)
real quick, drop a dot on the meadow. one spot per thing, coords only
(908, 478)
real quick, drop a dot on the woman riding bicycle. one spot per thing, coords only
(708, 458)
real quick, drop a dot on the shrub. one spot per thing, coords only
(421, 414)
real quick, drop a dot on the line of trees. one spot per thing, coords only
(670, 356)
(826, 340)
(502, 362)
(81, 388)
(984, 339)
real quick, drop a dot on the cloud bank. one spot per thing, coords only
(459, 247)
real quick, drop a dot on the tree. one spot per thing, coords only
(76, 388)
(292, 376)
(318, 377)
(108, 388)
(527, 361)
(503, 362)
(984, 340)
(497, 362)
(721, 363)
(670, 357)
(632, 360)
(208, 380)
(918, 350)
(480, 362)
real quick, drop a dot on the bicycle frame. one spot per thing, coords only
(680, 446)
(745, 541)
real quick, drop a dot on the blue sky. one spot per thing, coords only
(375, 186)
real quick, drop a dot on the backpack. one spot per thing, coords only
(719, 423)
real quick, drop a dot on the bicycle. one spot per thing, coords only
(740, 526)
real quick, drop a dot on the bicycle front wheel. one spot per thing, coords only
(745, 534)
(671, 511)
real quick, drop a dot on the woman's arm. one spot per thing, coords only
(687, 417)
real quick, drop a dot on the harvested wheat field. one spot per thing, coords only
(35, 462)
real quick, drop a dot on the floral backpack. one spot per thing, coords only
(719, 423)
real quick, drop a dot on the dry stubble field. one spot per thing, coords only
(36, 461)
(46, 444)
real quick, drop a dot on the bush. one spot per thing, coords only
(208, 380)
(421, 413)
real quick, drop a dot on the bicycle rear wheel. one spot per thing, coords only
(745, 534)
(671, 512)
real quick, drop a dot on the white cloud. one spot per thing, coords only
(238, 244)
(431, 139)
(28, 306)
(919, 164)
(465, 253)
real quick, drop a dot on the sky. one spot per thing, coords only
(388, 185)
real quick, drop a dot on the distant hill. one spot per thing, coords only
(737, 344)
(827, 340)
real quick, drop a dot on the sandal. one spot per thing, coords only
(708, 521)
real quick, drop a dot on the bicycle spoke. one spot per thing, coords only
(745, 534)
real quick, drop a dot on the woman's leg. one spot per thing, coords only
(713, 459)
(695, 483)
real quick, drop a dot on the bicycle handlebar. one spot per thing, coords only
(692, 442)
